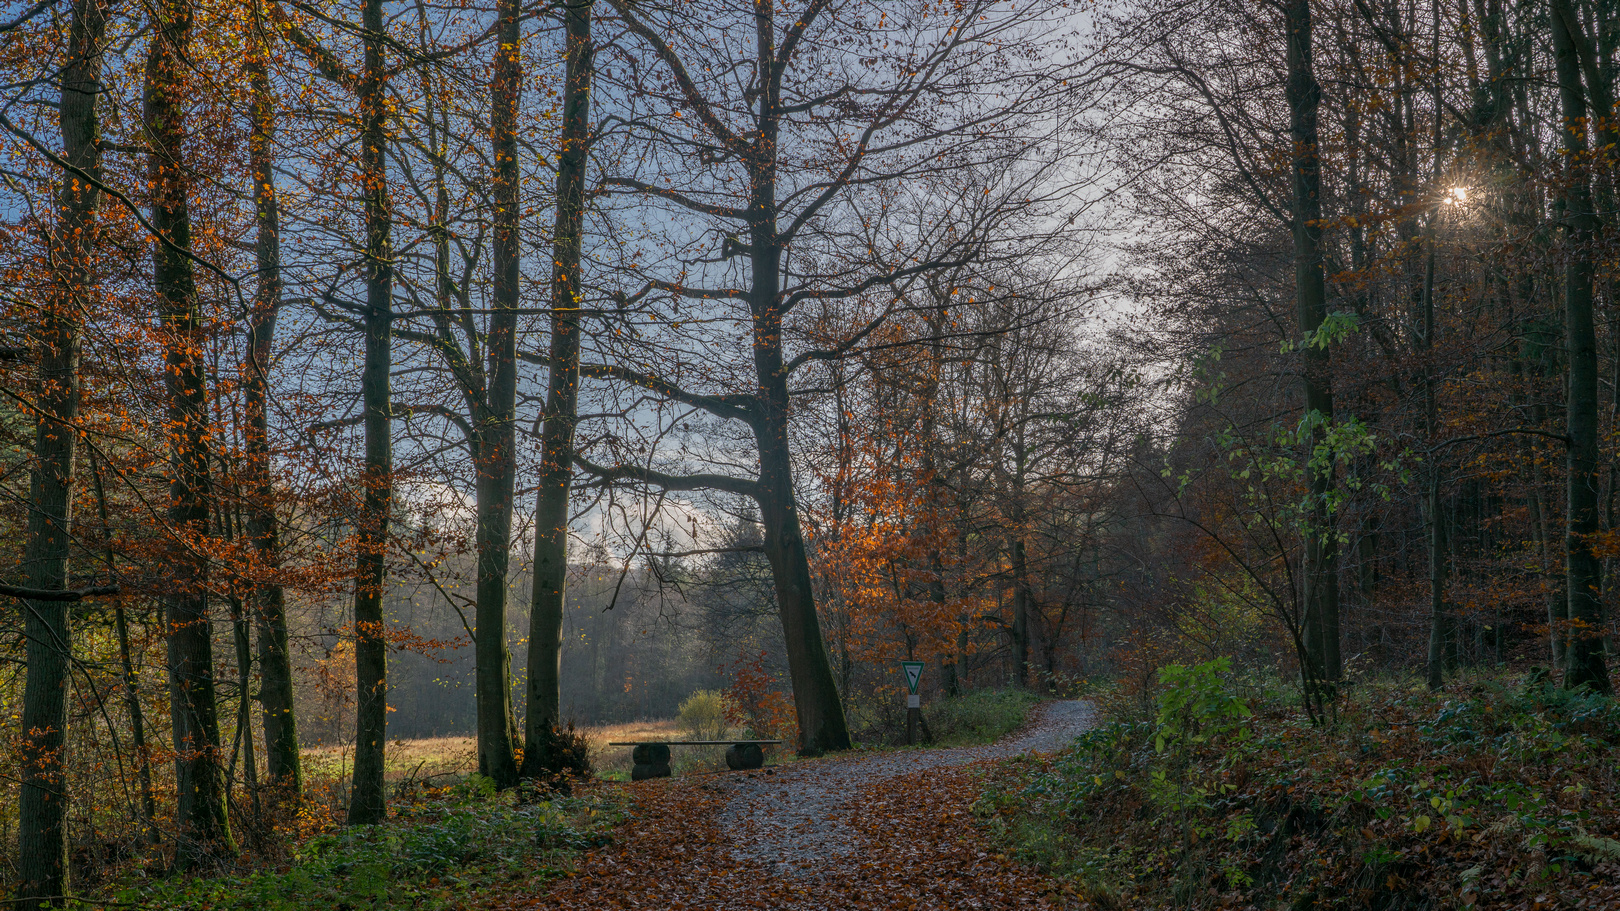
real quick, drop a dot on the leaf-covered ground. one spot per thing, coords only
(917, 846)
(885, 830)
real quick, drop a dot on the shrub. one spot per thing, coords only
(703, 715)
(564, 754)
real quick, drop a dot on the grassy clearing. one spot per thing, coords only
(1494, 793)
(446, 760)
(423, 759)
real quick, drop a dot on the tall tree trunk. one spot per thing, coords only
(937, 490)
(204, 834)
(1439, 630)
(496, 446)
(42, 868)
(1586, 666)
(132, 694)
(242, 639)
(1020, 608)
(549, 592)
(1557, 604)
(815, 693)
(367, 803)
(1321, 546)
(282, 761)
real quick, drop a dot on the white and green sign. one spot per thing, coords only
(913, 671)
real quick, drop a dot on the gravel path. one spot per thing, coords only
(789, 820)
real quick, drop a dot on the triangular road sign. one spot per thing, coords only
(913, 671)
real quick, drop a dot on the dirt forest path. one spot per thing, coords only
(887, 830)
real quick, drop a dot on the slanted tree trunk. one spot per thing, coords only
(42, 870)
(203, 829)
(367, 803)
(1321, 603)
(815, 693)
(562, 403)
(495, 429)
(1585, 660)
(283, 764)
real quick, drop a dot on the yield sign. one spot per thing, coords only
(913, 671)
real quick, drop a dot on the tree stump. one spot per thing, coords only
(744, 756)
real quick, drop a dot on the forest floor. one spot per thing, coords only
(880, 830)
(1499, 792)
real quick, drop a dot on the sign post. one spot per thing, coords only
(913, 671)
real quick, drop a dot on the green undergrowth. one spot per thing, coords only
(979, 717)
(439, 850)
(1494, 793)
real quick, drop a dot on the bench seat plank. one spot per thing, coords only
(688, 743)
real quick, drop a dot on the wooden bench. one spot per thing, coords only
(651, 757)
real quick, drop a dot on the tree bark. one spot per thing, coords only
(42, 869)
(367, 803)
(1585, 660)
(132, 694)
(496, 443)
(815, 693)
(204, 835)
(1321, 602)
(1020, 607)
(562, 402)
(283, 763)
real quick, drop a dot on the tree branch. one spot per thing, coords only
(668, 482)
(50, 594)
(736, 407)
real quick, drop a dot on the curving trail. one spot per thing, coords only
(793, 821)
(887, 830)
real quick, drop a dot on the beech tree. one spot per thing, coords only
(263, 525)
(204, 830)
(42, 838)
(551, 515)
(367, 800)
(369, 84)
(1310, 293)
(1583, 586)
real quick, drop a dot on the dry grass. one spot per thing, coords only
(423, 758)
(614, 762)
(449, 758)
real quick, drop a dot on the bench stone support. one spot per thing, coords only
(744, 756)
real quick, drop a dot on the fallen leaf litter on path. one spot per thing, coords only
(889, 831)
